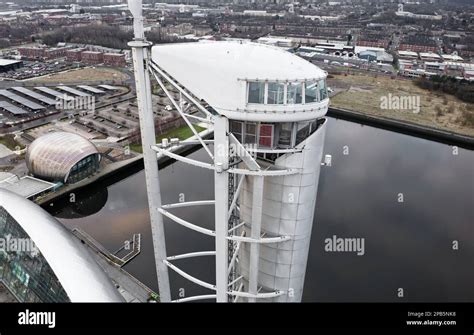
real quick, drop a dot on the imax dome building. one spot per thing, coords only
(62, 156)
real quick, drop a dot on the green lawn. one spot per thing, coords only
(9, 142)
(182, 133)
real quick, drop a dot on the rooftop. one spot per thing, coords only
(12, 108)
(4, 62)
(240, 60)
(407, 53)
(25, 187)
(452, 57)
(429, 55)
(81, 277)
(221, 70)
(22, 101)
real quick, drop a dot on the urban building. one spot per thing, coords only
(40, 261)
(92, 57)
(9, 65)
(430, 57)
(402, 13)
(113, 59)
(408, 55)
(27, 186)
(42, 52)
(32, 53)
(74, 55)
(62, 157)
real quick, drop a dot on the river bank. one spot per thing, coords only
(404, 127)
(401, 100)
(135, 164)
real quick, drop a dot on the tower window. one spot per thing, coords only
(302, 131)
(250, 133)
(284, 138)
(276, 93)
(236, 130)
(256, 93)
(294, 93)
(323, 93)
(311, 92)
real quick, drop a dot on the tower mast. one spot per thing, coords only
(141, 52)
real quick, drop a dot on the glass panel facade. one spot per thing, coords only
(311, 92)
(84, 168)
(236, 129)
(285, 134)
(280, 135)
(294, 93)
(323, 92)
(302, 131)
(250, 133)
(276, 93)
(25, 271)
(256, 93)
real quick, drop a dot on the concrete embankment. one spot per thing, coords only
(404, 127)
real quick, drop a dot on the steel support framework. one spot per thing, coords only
(227, 287)
(226, 208)
(140, 50)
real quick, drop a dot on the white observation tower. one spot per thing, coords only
(266, 107)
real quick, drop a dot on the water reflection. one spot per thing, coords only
(82, 204)
(407, 244)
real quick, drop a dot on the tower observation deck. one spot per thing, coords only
(267, 109)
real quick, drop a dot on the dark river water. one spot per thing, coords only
(408, 245)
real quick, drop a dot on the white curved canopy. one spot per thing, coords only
(218, 72)
(80, 276)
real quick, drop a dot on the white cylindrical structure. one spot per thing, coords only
(287, 210)
(269, 104)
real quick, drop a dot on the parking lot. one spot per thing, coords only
(21, 105)
(34, 69)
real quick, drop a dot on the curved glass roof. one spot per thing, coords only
(80, 276)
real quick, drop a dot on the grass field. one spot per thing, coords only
(363, 93)
(84, 75)
(182, 133)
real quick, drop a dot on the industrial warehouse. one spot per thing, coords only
(9, 65)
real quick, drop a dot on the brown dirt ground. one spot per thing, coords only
(363, 93)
